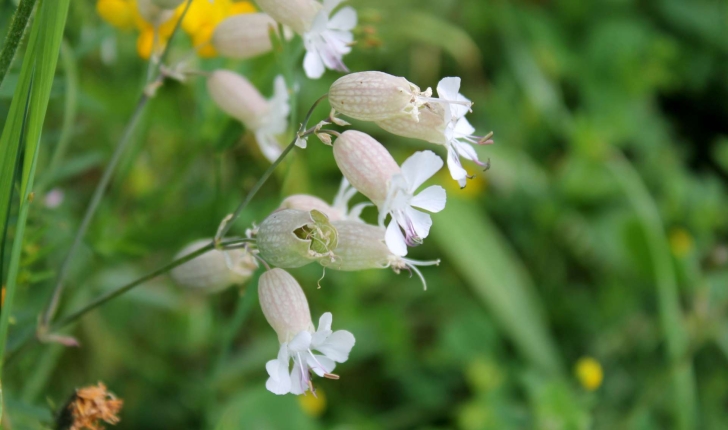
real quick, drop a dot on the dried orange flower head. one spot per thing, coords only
(92, 404)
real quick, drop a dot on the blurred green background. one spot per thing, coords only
(600, 230)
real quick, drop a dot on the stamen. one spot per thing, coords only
(331, 376)
(313, 390)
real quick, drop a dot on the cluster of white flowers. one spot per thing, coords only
(305, 229)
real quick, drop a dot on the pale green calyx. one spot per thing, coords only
(291, 238)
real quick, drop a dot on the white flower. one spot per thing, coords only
(442, 121)
(458, 131)
(267, 119)
(334, 347)
(401, 202)
(341, 202)
(275, 121)
(328, 39)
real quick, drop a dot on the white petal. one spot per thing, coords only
(448, 88)
(466, 150)
(420, 221)
(338, 346)
(325, 322)
(456, 169)
(301, 342)
(324, 330)
(269, 145)
(299, 378)
(463, 128)
(345, 19)
(280, 386)
(395, 239)
(313, 65)
(420, 167)
(431, 198)
(320, 364)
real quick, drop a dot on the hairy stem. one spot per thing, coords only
(15, 35)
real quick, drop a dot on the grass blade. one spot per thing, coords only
(15, 35)
(474, 245)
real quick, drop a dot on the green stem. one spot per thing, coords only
(15, 35)
(91, 209)
(124, 288)
(104, 182)
(302, 132)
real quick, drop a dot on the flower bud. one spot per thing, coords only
(297, 14)
(375, 96)
(243, 36)
(291, 238)
(304, 202)
(284, 304)
(167, 4)
(360, 246)
(214, 270)
(430, 127)
(237, 97)
(365, 163)
(153, 13)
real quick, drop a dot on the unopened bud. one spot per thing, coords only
(243, 36)
(365, 163)
(360, 246)
(296, 14)
(375, 96)
(291, 238)
(430, 127)
(304, 202)
(214, 270)
(284, 304)
(237, 97)
(152, 13)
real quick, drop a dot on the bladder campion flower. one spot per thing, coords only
(204, 16)
(442, 121)
(327, 37)
(291, 238)
(243, 36)
(375, 96)
(371, 169)
(267, 119)
(214, 270)
(286, 309)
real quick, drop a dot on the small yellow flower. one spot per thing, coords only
(119, 13)
(681, 242)
(313, 406)
(203, 17)
(589, 372)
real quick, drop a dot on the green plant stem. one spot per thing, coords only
(103, 184)
(15, 35)
(674, 331)
(91, 209)
(302, 132)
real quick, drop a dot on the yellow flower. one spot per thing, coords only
(119, 13)
(313, 406)
(203, 17)
(589, 372)
(681, 243)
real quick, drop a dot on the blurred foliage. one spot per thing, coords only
(547, 257)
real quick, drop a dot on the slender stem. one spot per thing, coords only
(91, 209)
(104, 182)
(15, 35)
(302, 132)
(124, 288)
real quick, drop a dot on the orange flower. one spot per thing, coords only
(92, 404)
